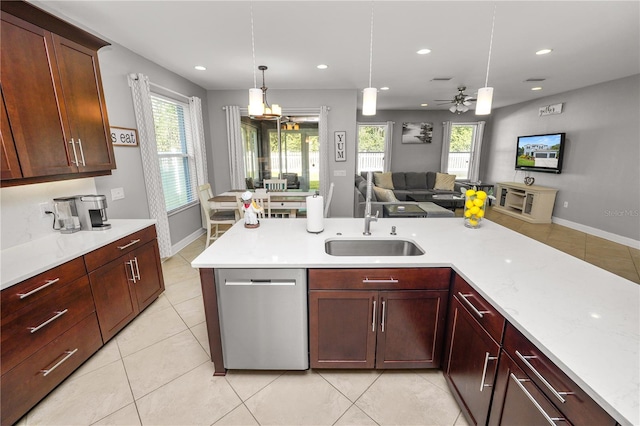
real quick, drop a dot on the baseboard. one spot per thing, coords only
(186, 241)
(597, 232)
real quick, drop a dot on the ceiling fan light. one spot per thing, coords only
(485, 98)
(464, 108)
(466, 103)
(256, 107)
(369, 97)
(275, 109)
(453, 108)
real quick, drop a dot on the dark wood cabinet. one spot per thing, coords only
(529, 382)
(53, 98)
(472, 352)
(124, 286)
(9, 164)
(385, 326)
(518, 401)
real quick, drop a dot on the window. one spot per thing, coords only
(175, 152)
(372, 146)
(463, 153)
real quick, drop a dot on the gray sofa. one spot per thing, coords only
(404, 183)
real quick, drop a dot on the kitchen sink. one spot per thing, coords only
(368, 247)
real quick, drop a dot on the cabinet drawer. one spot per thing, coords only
(380, 279)
(26, 384)
(479, 308)
(106, 254)
(42, 321)
(578, 407)
(30, 290)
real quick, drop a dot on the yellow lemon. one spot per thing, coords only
(474, 210)
(470, 192)
(481, 195)
(468, 204)
(467, 213)
(480, 213)
(473, 222)
(478, 202)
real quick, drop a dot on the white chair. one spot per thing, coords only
(260, 199)
(215, 218)
(276, 212)
(277, 185)
(327, 204)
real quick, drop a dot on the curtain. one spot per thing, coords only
(199, 146)
(325, 152)
(474, 167)
(141, 94)
(236, 150)
(446, 143)
(388, 146)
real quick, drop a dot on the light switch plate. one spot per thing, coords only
(339, 172)
(117, 194)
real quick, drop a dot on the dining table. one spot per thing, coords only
(293, 201)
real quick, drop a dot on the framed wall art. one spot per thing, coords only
(123, 136)
(417, 132)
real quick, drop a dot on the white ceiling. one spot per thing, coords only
(592, 42)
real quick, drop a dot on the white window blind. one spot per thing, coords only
(175, 152)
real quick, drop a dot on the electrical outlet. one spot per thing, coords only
(566, 204)
(117, 194)
(43, 208)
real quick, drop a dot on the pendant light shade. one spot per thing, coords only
(485, 97)
(369, 97)
(256, 107)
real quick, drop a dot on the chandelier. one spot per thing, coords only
(260, 109)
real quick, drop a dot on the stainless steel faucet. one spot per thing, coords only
(367, 209)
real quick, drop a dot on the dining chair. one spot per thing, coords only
(275, 184)
(274, 212)
(215, 218)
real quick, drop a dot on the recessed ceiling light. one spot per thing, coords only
(536, 88)
(423, 51)
(384, 88)
(423, 105)
(322, 67)
(200, 68)
(544, 51)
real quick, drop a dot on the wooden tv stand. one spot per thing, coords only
(532, 204)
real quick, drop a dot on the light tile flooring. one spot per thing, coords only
(157, 371)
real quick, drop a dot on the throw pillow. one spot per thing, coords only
(385, 195)
(416, 180)
(444, 181)
(398, 180)
(383, 180)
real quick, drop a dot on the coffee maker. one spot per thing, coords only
(66, 219)
(92, 211)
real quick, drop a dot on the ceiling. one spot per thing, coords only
(592, 42)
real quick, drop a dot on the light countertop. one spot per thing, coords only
(29, 259)
(585, 319)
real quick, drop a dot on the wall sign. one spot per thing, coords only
(340, 139)
(550, 109)
(124, 136)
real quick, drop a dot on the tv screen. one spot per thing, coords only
(540, 153)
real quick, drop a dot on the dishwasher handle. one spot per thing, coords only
(260, 282)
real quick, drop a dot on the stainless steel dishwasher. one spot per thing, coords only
(263, 318)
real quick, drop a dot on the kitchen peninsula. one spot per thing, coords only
(582, 318)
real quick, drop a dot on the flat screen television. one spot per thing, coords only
(540, 153)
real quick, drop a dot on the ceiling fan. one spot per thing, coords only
(461, 101)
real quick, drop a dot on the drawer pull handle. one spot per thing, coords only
(133, 273)
(42, 287)
(75, 155)
(463, 297)
(552, 420)
(555, 393)
(53, 318)
(129, 245)
(389, 280)
(137, 268)
(81, 152)
(68, 355)
(384, 314)
(487, 358)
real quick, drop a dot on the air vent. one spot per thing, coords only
(533, 79)
(441, 78)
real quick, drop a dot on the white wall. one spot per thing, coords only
(342, 116)
(600, 175)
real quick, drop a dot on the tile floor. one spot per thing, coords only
(157, 371)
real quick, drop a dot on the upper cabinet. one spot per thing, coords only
(55, 117)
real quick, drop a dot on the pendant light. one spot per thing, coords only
(256, 107)
(370, 94)
(485, 94)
